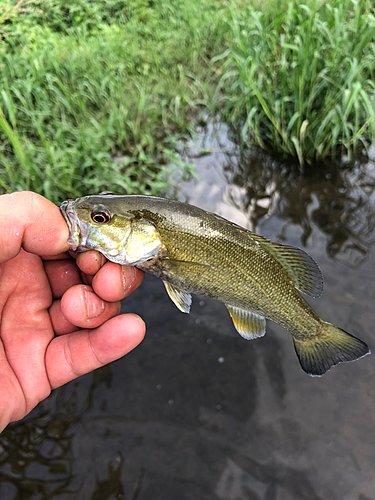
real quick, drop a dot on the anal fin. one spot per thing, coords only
(248, 324)
(182, 300)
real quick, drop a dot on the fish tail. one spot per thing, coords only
(319, 353)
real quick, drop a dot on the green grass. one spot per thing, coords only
(77, 94)
(83, 83)
(301, 83)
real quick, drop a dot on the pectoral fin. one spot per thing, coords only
(248, 324)
(181, 299)
(177, 263)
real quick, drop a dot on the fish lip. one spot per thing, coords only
(77, 232)
(63, 208)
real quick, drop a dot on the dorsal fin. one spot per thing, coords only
(298, 264)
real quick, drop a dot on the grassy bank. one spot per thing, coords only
(83, 82)
(300, 81)
(96, 95)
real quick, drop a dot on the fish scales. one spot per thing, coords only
(247, 272)
(194, 251)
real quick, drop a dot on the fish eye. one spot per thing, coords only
(100, 217)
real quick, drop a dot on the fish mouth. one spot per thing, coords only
(77, 233)
(63, 208)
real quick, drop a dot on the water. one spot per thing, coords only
(197, 412)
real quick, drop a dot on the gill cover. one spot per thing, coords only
(126, 241)
(144, 242)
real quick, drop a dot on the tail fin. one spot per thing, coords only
(319, 353)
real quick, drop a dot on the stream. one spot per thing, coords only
(198, 413)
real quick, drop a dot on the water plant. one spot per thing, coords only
(301, 83)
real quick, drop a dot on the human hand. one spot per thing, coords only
(59, 315)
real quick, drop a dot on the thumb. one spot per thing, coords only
(32, 222)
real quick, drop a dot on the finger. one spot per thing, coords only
(34, 223)
(87, 279)
(90, 262)
(62, 274)
(59, 256)
(83, 308)
(114, 282)
(60, 325)
(70, 356)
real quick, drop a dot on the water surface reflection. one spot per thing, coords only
(196, 412)
(338, 200)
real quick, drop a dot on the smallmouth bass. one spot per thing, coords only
(194, 251)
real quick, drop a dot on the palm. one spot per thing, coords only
(45, 341)
(26, 332)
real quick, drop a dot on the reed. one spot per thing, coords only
(301, 83)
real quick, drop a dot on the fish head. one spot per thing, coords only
(121, 237)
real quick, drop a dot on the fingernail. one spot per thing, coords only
(123, 277)
(100, 259)
(94, 305)
(128, 277)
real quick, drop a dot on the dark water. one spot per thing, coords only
(197, 412)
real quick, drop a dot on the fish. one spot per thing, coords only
(197, 252)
